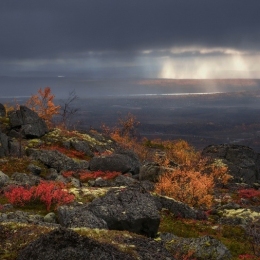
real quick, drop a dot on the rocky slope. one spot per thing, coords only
(115, 213)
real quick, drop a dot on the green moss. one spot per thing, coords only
(233, 237)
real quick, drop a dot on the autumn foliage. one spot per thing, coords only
(43, 105)
(48, 193)
(193, 179)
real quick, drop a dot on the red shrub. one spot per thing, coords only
(69, 152)
(107, 175)
(52, 193)
(248, 193)
(68, 174)
(18, 195)
(49, 193)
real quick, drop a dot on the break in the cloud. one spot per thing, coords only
(147, 38)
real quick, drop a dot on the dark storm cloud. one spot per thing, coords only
(52, 29)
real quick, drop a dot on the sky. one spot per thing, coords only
(130, 38)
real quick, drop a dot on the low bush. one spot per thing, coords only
(48, 193)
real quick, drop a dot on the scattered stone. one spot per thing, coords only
(50, 218)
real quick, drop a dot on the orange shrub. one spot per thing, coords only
(188, 186)
(193, 183)
(43, 105)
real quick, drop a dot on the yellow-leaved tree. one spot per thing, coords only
(42, 103)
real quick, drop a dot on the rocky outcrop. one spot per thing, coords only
(56, 160)
(67, 244)
(25, 122)
(203, 248)
(119, 162)
(128, 209)
(242, 161)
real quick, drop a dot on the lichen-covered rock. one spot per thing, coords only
(205, 247)
(79, 216)
(56, 160)
(123, 162)
(128, 209)
(242, 161)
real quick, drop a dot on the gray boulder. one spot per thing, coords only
(65, 244)
(128, 209)
(4, 149)
(243, 162)
(205, 247)
(27, 123)
(116, 162)
(56, 160)
(150, 171)
(178, 208)
(4, 179)
(2, 110)
(50, 218)
(79, 216)
(82, 146)
(25, 179)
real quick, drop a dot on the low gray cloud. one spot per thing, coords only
(123, 33)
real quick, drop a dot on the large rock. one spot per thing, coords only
(56, 160)
(4, 149)
(4, 179)
(2, 110)
(119, 162)
(178, 208)
(150, 171)
(27, 123)
(79, 216)
(243, 162)
(64, 244)
(205, 247)
(128, 209)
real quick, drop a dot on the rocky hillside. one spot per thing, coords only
(71, 195)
